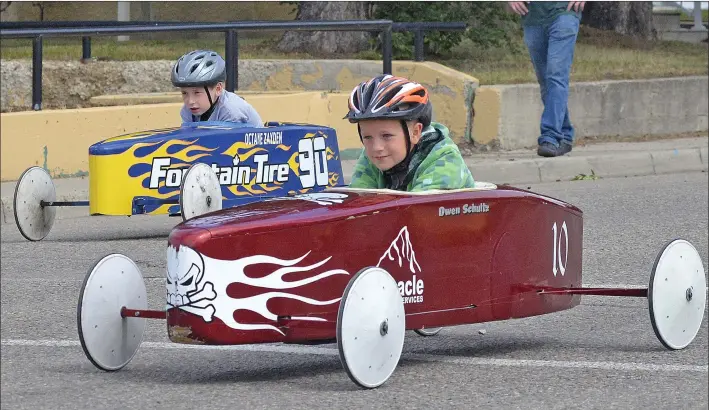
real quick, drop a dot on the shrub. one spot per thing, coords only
(489, 25)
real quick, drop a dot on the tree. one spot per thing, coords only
(4, 5)
(328, 42)
(623, 17)
(41, 5)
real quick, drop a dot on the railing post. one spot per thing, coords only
(231, 56)
(418, 44)
(386, 50)
(235, 48)
(85, 48)
(37, 73)
(698, 24)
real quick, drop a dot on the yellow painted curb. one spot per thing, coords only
(59, 139)
(488, 106)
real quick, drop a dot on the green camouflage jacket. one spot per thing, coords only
(442, 168)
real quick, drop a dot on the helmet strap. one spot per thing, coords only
(408, 137)
(208, 113)
(404, 164)
(398, 176)
(206, 90)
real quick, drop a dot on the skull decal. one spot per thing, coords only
(184, 283)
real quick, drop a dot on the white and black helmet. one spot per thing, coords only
(199, 68)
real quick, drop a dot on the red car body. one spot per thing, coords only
(274, 271)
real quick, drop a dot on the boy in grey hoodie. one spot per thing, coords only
(200, 75)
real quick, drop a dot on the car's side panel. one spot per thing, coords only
(139, 173)
(460, 258)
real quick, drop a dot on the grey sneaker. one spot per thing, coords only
(547, 149)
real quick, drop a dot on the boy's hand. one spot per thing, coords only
(519, 7)
(576, 5)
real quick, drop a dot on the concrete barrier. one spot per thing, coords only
(508, 116)
(70, 84)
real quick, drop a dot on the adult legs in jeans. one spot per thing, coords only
(551, 49)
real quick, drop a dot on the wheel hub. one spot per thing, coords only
(384, 328)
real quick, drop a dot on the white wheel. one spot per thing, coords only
(33, 220)
(371, 324)
(677, 294)
(200, 191)
(432, 331)
(109, 340)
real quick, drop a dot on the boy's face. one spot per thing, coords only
(196, 100)
(385, 142)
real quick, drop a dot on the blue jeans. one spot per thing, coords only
(551, 49)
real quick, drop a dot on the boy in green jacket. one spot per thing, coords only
(403, 149)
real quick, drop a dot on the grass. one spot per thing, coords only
(690, 17)
(584, 177)
(599, 55)
(108, 49)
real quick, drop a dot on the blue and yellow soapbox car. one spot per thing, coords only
(182, 170)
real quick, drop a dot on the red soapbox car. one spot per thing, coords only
(359, 267)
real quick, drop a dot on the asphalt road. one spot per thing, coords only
(602, 354)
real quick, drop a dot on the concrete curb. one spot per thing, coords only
(602, 164)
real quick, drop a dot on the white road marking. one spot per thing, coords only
(629, 366)
(467, 361)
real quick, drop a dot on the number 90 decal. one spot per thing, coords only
(558, 263)
(312, 162)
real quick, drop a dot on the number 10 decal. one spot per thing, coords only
(312, 162)
(557, 249)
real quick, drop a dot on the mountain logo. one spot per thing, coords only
(401, 254)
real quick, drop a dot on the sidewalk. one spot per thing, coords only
(605, 160)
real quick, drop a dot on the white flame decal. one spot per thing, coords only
(222, 273)
(320, 198)
(402, 246)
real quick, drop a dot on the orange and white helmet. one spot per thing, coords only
(390, 97)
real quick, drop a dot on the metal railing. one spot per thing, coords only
(38, 30)
(420, 28)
